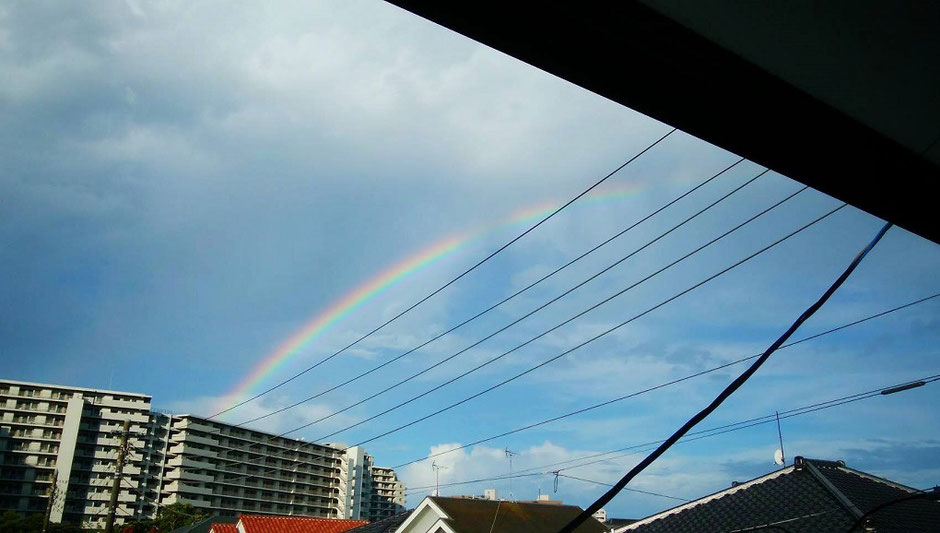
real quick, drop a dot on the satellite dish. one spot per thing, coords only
(778, 457)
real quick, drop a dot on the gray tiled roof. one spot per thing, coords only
(386, 525)
(810, 496)
(483, 516)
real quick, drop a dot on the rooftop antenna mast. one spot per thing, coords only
(510, 454)
(437, 477)
(779, 457)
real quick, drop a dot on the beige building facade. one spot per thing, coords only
(72, 435)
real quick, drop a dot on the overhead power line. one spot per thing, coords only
(727, 392)
(569, 263)
(795, 232)
(756, 421)
(492, 307)
(634, 449)
(665, 384)
(933, 494)
(536, 310)
(497, 304)
(604, 333)
(650, 493)
(448, 284)
(691, 436)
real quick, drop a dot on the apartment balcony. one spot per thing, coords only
(186, 449)
(178, 486)
(195, 426)
(196, 439)
(123, 404)
(189, 462)
(141, 418)
(123, 496)
(178, 498)
(192, 476)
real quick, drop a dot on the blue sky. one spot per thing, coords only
(185, 185)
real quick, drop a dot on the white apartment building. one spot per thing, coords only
(221, 468)
(70, 433)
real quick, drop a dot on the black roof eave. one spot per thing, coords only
(646, 61)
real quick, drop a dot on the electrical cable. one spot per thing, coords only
(500, 502)
(753, 255)
(930, 493)
(449, 283)
(494, 306)
(665, 384)
(785, 415)
(559, 474)
(499, 303)
(777, 525)
(537, 309)
(733, 386)
(602, 334)
(766, 418)
(698, 435)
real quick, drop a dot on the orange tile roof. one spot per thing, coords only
(296, 524)
(219, 527)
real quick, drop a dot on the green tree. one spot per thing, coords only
(10, 522)
(176, 515)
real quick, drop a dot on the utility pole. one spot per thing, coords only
(116, 485)
(53, 490)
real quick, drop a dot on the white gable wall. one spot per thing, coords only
(426, 518)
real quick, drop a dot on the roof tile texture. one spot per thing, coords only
(296, 524)
(477, 516)
(798, 501)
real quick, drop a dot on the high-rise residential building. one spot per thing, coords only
(69, 434)
(73, 434)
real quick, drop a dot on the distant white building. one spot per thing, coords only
(600, 515)
(220, 468)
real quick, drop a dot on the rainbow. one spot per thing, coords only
(395, 273)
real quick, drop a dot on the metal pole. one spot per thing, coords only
(49, 504)
(780, 436)
(116, 485)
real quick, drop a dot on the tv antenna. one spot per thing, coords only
(779, 458)
(510, 454)
(437, 477)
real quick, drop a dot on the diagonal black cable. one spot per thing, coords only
(701, 434)
(751, 422)
(448, 284)
(755, 254)
(651, 493)
(729, 390)
(933, 493)
(546, 304)
(606, 332)
(499, 303)
(527, 315)
(665, 384)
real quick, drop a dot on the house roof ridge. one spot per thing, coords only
(812, 467)
(715, 495)
(885, 481)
